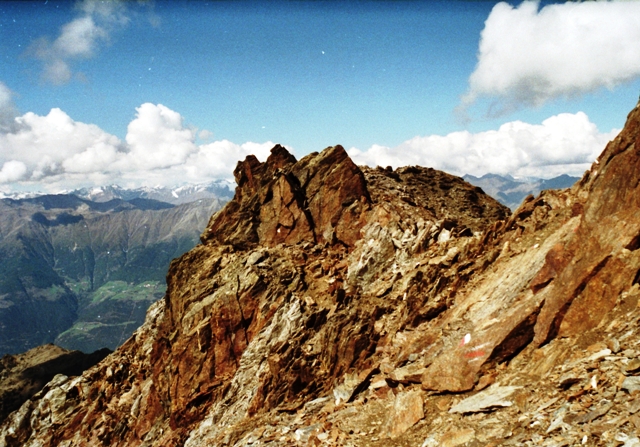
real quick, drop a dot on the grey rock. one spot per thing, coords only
(488, 399)
(631, 384)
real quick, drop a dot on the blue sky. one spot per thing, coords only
(177, 92)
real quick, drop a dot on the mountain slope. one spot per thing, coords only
(340, 306)
(287, 248)
(61, 256)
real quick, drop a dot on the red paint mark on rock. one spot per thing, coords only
(474, 354)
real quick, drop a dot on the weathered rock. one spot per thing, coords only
(489, 399)
(603, 267)
(323, 289)
(352, 384)
(457, 437)
(317, 199)
(407, 411)
(592, 415)
(23, 375)
(408, 374)
(631, 384)
(630, 441)
(633, 366)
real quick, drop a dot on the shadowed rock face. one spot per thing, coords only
(327, 299)
(23, 375)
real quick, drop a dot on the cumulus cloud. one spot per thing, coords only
(205, 134)
(158, 149)
(12, 171)
(564, 143)
(528, 56)
(78, 39)
(218, 159)
(158, 139)
(56, 152)
(45, 143)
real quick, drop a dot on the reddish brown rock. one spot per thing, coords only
(407, 411)
(323, 289)
(602, 264)
(23, 375)
(335, 193)
(318, 199)
(237, 223)
(574, 277)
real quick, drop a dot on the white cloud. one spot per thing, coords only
(219, 159)
(78, 39)
(205, 134)
(57, 152)
(564, 143)
(99, 157)
(157, 139)
(8, 111)
(44, 143)
(12, 171)
(529, 56)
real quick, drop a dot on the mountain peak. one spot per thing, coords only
(317, 199)
(355, 306)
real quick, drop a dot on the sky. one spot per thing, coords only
(171, 93)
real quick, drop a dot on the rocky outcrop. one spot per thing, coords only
(283, 298)
(318, 199)
(23, 375)
(335, 305)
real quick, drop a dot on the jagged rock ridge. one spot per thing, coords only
(373, 315)
(23, 375)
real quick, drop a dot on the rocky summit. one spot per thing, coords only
(335, 305)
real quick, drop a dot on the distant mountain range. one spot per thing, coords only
(511, 191)
(174, 196)
(506, 189)
(81, 273)
(221, 189)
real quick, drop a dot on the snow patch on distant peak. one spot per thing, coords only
(181, 194)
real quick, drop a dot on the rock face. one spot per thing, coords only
(335, 305)
(319, 199)
(23, 375)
